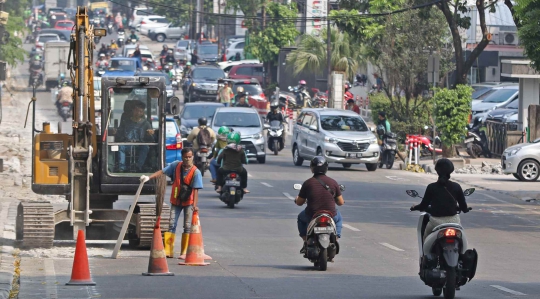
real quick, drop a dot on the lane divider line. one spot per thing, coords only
(288, 196)
(354, 229)
(391, 247)
(267, 185)
(508, 290)
(512, 204)
(249, 175)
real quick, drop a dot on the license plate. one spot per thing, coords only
(211, 91)
(469, 140)
(232, 183)
(327, 229)
(355, 155)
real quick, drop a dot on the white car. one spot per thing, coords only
(521, 160)
(128, 49)
(153, 22)
(183, 49)
(235, 47)
(43, 38)
(138, 14)
(226, 66)
(145, 53)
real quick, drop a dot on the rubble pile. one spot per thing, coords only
(485, 168)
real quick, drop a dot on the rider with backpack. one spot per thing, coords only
(201, 136)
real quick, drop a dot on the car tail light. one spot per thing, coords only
(143, 22)
(176, 146)
(65, 104)
(263, 96)
(233, 175)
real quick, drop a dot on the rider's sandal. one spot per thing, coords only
(246, 191)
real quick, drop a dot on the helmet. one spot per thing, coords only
(101, 55)
(274, 105)
(319, 165)
(234, 137)
(240, 89)
(113, 42)
(65, 83)
(223, 131)
(444, 167)
(165, 46)
(62, 76)
(169, 52)
(302, 82)
(350, 101)
(203, 121)
(188, 64)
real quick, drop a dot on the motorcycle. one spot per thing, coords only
(65, 110)
(110, 28)
(321, 239)
(445, 261)
(231, 193)
(36, 78)
(120, 39)
(201, 158)
(275, 136)
(320, 99)
(426, 145)
(149, 65)
(131, 41)
(476, 140)
(389, 150)
(101, 70)
(303, 99)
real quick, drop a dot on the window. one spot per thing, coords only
(208, 50)
(306, 122)
(123, 65)
(196, 112)
(244, 71)
(132, 141)
(258, 71)
(207, 73)
(314, 122)
(182, 44)
(46, 38)
(227, 69)
(237, 119)
(499, 96)
(299, 119)
(161, 20)
(170, 128)
(252, 89)
(240, 45)
(513, 105)
(343, 123)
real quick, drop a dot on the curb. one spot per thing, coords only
(524, 198)
(9, 278)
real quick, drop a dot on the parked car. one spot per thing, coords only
(521, 160)
(152, 22)
(341, 136)
(256, 97)
(64, 25)
(122, 66)
(482, 90)
(226, 66)
(171, 31)
(249, 124)
(43, 38)
(183, 49)
(235, 47)
(503, 113)
(247, 71)
(139, 13)
(207, 52)
(201, 83)
(499, 98)
(63, 34)
(191, 113)
(173, 140)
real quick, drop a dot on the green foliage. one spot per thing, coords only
(180, 13)
(528, 12)
(265, 44)
(249, 8)
(311, 53)
(11, 51)
(452, 108)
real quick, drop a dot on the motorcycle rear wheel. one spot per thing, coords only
(470, 151)
(276, 147)
(436, 291)
(323, 259)
(449, 289)
(390, 160)
(230, 201)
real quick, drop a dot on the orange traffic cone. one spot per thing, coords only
(80, 274)
(195, 253)
(157, 265)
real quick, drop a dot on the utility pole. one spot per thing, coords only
(198, 20)
(329, 55)
(4, 36)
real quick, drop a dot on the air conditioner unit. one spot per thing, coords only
(508, 38)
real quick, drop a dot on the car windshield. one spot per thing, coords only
(46, 38)
(198, 111)
(252, 89)
(182, 44)
(208, 73)
(237, 119)
(513, 105)
(499, 96)
(64, 24)
(480, 92)
(122, 65)
(343, 123)
(207, 50)
(170, 128)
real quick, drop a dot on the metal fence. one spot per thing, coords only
(501, 136)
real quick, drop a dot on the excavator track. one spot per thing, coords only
(145, 224)
(35, 224)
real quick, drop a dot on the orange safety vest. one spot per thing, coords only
(176, 185)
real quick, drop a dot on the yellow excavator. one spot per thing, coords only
(92, 167)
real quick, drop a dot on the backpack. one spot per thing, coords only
(204, 137)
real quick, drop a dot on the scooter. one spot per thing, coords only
(426, 145)
(121, 38)
(321, 239)
(476, 140)
(389, 150)
(36, 78)
(65, 110)
(201, 158)
(110, 28)
(445, 261)
(302, 97)
(320, 99)
(101, 71)
(231, 193)
(275, 136)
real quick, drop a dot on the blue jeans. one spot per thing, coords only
(140, 151)
(225, 104)
(303, 222)
(188, 214)
(214, 168)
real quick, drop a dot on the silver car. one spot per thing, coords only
(183, 49)
(500, 97)
(521, 160)
(246, 121)
(340, 136)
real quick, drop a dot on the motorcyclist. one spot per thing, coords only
(352, 106)
(102, 62)
(300, 97)
(216, 150)
(164, 51)
(242, 100)
(383, 122)
(274, 113)
(192, 137)
(444, 197)
(114, 46)
(348, 95)
(102, 50)
(234, 100)
(169, 57)
(36, 65)
(133, 36)
(231, 159)
(64, 94)
(322, 193)
(149, 64)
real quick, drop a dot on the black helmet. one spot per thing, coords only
(274, 105)
(203, 121)
(319, 165)
(444, 167)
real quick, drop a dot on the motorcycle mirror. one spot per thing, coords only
(342, 188)
(468, 192)
(266, 126)
(412, 193)
(174, 105)
(426, 127)
(297, 186)
(372, 129)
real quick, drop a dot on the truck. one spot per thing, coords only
(100, 5)
(56, 59)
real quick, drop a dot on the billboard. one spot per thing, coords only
(316, 12)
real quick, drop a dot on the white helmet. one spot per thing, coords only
(101, 55)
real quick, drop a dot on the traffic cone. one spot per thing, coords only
(185, 242)
(195, 253)
(157, 265)
(169, 244)
(80, 274)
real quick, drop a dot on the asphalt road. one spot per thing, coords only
(255, 246)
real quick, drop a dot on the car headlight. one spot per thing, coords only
(373, 141)
(514, 151)
(330, 139)
(170, 93)
(258, 136)
(194, 85)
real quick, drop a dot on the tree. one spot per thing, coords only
(452, 108)
(527, 14)
(311, 53)
(249, 8)
(277, 33)
(10, 52)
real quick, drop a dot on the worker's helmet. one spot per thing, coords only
(234, 137)
(188, 64)
(169, 52)
(101, 55)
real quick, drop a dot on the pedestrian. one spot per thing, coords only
(352, 106)
(187, 180)
(225, 94)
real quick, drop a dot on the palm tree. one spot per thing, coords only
(311, 53)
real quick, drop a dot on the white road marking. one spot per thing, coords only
(354, 229)
(503, 201)
(509, 290)
(249, 175)
(395, 178)
(391, 247)
(267, 185)
(288, 196)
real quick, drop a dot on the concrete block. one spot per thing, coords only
(458, 162)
